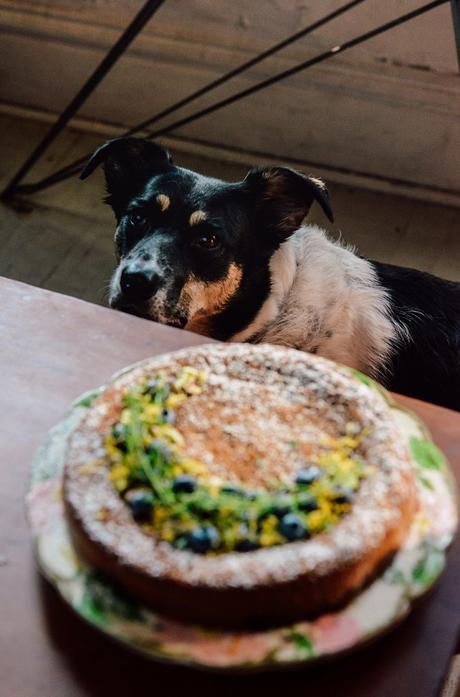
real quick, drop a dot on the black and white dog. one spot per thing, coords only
(234, 262)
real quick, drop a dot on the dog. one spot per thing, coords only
(235, 262)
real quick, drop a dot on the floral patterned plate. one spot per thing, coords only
(375, 610)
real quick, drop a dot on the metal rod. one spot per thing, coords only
(245, 66)
(117, 50)
(74, 167)
(455, 6)
(335, 50)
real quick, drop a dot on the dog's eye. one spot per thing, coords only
(207, 240)
(137, 220)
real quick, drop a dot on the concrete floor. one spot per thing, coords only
(65, 243)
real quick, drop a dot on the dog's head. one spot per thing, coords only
(187, 244)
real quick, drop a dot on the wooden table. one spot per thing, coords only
(52, 349)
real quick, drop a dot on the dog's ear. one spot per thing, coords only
(128, 163)
(283, 198)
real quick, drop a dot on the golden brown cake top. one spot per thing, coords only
(310, 452)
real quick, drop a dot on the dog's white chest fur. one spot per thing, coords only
(326, 300)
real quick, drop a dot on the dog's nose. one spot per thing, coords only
(138, 284)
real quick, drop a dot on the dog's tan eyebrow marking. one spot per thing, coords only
(318, 182)
(163, 201)
(197, 217)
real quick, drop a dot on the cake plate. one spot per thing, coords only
(378, 608)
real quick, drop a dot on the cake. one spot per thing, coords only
(238, 486)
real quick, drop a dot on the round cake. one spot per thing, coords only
(239, 486)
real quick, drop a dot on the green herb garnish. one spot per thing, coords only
(175, 497)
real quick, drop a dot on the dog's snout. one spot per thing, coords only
(138, 284)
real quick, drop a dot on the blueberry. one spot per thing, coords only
(140, 502)
(247, 541)
(157, 389)
(151, 387)
(308, 475)
(247, 545)
(201, 540)
(283, 504)
(203, 509)
(168, 416)
(307, 502)
(292, 527)
(158, 447)
(342, 495)
(278, 505)
(118, 432)
(184, 484)
(233, 490)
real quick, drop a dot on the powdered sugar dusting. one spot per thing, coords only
(256, 400)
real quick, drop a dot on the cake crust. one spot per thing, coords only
(268, 586)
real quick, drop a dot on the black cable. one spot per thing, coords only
(65, 173)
